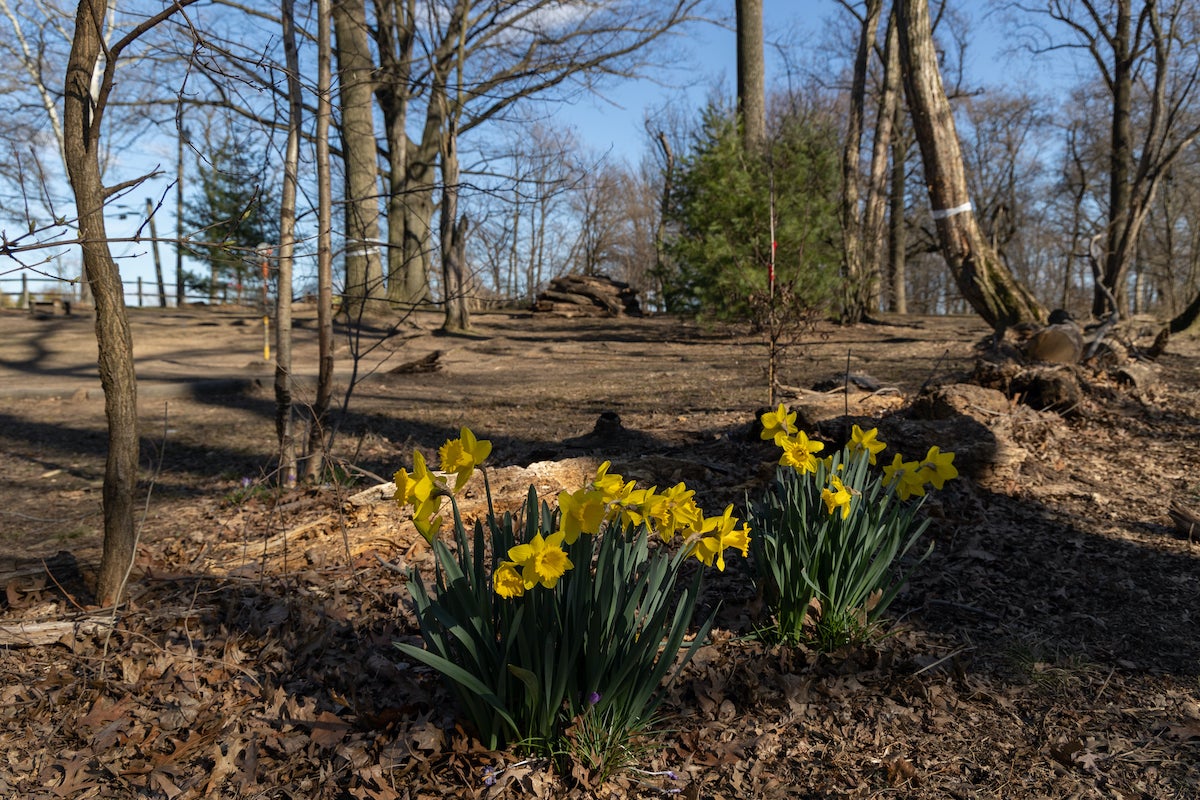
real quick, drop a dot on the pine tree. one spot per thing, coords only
(721, 214)
(230, 214)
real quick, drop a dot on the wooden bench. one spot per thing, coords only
(50, 308)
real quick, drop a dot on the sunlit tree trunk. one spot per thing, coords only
(985, 283)
(315, 450)
(751, 73)
(284, 416)
(85, 98)
(857, 274)
(364, 290)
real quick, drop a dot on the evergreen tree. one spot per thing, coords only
(230, 214)
(721, 208)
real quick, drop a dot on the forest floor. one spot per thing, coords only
(1047, 648)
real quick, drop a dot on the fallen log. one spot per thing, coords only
(39, 634)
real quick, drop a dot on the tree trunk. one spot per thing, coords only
(364, 291)
(85, 97)
(1188, 320)
(407, 276)
(857, 286)
(751, 74)
(984, 281)
(315, 450)
(1120, 167)
(898, 227)
(453, 233)
(284, 416)
(875, 207)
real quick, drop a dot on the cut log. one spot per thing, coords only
(588, 295)
(38, 634)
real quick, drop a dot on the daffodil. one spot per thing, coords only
(416, 487)
(421, 490)
(582, 512)
(676, 511)
(507, 580)
(640, 506)
(719, 533)
(799, 452)
(462, 455)
(542, 560)
(614, 487)
(836, 496)
(938, 467)
(907, 477)
(866, 442)
(779, 422)
(427, 519)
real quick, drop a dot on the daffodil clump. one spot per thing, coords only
(534, 615)
(611, 502)
(828, 532)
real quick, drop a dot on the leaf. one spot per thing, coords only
(328, 730)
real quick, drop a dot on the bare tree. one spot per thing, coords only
(91, 69)
(364, 289)
(284, 413)
(984, 281)
(481, 57)
(314, 460)
(860, 275)
(1147, 54)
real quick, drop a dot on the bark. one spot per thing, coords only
(364, 290)
(85, 99)
(284, 415)
(983, 280)
(875, 207)
(453, 233)
(751, 73)
(897, 224)
(856, 273)
(314, 452)
(407, 264)
(662, 265)
(1120, 160)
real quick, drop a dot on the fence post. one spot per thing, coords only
(24, 290)
(139, 292)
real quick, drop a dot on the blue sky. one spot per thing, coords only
(697, 63)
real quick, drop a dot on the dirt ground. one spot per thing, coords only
(1046, 649)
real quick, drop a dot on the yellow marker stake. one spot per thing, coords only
(266, 338)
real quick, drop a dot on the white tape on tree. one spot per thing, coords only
(950, 212)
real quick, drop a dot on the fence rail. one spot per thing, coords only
(37, 293)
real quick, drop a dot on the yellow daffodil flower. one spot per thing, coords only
(542, 560)
(907, 477)
(798, 452)
(427, 520)
(866, 442)
(677, 511)
(614, 488)
(836, 496)
(507, 580)
(640, 506)
(720, 534)
(779, 422)
(462, 455)
(420, 490)
(938, 467)
(582, 511)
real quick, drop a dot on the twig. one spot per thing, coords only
(943, 659)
